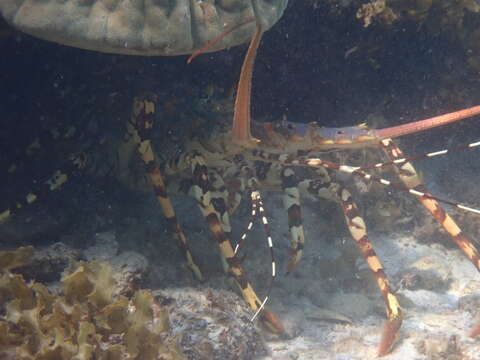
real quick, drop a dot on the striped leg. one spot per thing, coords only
(41, 190)
(219, 199)
(409, 177)
(236, 186)
(357, 229)
(202, 192)
(142, 123)
(291, 203)
(243, 179)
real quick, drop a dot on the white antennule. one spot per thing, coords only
(258, 211)
(422, 156)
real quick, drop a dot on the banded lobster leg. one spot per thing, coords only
(142, 123)
(221, 194)
(407, 174)
(357, 228)
(201, 191)
(219, 199)
(291, 203)
(140, 128)
(76, 162)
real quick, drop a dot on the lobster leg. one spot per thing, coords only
(76, 162)
(357, 228)
(407, 174)
(141, 126)
(219, 200)
(235, 196)
(202, 192)
(237, 183)
(291, 203)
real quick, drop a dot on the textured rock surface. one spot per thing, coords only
(140, 27)
(213, 324)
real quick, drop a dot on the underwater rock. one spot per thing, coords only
(427, 273)
(470, 303)
(213, 324)
(104, 248)
(129, 270)
(129, 267)
(46, 264)
(440, 348)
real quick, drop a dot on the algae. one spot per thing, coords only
(84, 321)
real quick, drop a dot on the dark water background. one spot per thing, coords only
(301, 71)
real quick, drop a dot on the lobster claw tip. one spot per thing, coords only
(389, 336)
(475, 331)
(272, 322)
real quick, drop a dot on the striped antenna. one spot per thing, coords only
(258, 211)
(262, 215)
(419, 157)
(354, 170)
(253, 214)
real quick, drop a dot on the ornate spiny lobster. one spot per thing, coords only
(217, 169)
(243, 152)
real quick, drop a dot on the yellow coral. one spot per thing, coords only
(87, 321)
(12, 259)
(376, 8)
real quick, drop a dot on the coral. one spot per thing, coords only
(376, 9)
(12, 259)
(438, 13)
(86, 321)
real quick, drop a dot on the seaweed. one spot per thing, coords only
(84, 321)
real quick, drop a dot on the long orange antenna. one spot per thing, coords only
(242, 116)
(426, 124)
(217, 39)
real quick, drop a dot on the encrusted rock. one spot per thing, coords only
(46, 264)
(215, 324)
(129, 267)
(440, 348)
(104, 248)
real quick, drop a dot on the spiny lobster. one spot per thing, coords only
(216, 169)
(228, 162)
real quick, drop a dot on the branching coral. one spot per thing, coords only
(87, 321)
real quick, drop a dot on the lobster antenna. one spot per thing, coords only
(242, 111)
(356, 171)
(422, 125)
(317, 163)
(258, 211)
(217, 39)
(419, 157)
(253, 215)
(261, 212)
